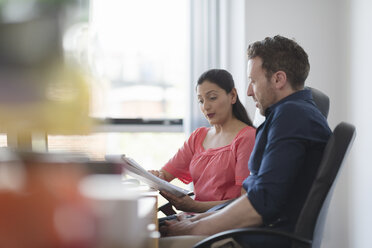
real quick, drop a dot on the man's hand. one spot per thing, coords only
(185, 203)
(238, 214)
(181, 226)
(200, 216)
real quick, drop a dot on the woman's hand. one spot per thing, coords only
(160, 174)
(185, 203)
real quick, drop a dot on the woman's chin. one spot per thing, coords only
(211, 122)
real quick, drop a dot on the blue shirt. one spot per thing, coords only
(287, 152)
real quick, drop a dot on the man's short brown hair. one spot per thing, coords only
(282, 54)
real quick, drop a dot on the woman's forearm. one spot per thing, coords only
(167, 176)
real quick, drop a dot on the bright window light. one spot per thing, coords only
(140, 56)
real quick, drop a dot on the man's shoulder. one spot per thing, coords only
(298, 118)
(296, 109)
(297, 115)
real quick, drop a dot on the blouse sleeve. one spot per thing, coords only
(178, 166)
(244, 147)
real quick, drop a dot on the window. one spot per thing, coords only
(138, 55)
(3, 140)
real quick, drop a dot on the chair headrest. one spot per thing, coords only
(321, 100)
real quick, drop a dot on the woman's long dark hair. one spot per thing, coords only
(224, 80)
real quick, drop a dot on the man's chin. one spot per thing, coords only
(262, 111)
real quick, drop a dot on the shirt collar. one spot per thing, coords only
(298, 95)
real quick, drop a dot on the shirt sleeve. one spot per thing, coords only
(179, 165)
(243, 152)
(283, 157)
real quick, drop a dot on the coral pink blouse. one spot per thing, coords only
(217, 173)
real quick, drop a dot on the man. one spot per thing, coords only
(288, 149)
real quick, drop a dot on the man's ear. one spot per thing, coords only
(280, 79)
(234, 95)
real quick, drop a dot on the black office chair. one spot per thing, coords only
(321, 100)
(310, 224)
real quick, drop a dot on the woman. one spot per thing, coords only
(215, 159)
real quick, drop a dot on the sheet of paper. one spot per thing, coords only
(135, 170)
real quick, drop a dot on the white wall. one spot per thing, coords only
(361, 105)
(318, 26)
(337, 37)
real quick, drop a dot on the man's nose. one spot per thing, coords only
(250, 90)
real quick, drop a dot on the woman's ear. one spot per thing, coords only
(234, 95)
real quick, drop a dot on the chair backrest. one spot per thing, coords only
(334, 155)
(321, 100)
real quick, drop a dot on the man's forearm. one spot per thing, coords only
(203, 206)
(238, 214)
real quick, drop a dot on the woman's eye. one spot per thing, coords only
(200, 101)
(213, 98)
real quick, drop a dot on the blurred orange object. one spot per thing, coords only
(45, 209)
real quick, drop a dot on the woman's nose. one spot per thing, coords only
(206, 105)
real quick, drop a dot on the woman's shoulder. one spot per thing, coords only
(199, 134)
(245, 138)
(200, 130)
(247, 132)
(197, 137)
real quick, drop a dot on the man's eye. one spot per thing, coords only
(213, 98)
(200, 101)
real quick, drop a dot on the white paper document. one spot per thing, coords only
(133, 169)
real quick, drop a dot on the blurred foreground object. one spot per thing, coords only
(38, 90)
(47, 200)
(40, 204)
(126, 213)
